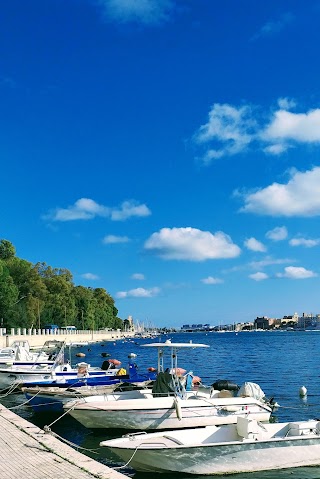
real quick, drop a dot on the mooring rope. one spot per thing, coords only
(125, 465)
(10, 390)
(24, 403)
(47, 428)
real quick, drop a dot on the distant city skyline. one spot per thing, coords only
(167, 151)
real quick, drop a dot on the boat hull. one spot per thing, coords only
(216, 460)
(163, 413)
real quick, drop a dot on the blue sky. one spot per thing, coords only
(167, 151)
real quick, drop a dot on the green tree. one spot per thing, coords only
(7, 250)
(32, 295)
(8, 297)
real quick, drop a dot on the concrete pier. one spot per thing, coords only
(27, 451)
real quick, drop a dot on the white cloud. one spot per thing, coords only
(87, 209)
(83, 209)
(90, 276)
(259, 276)
(227, 132)
(138, 276)
(211, 280)
(269, 261)
(254, 245)
(277, 234)
(191, 244)
(299, 197)
(138, 293)
(276, 149)
(129, 209)
(112, 239)
(308, 243)
(231, 130)
(293, 272)
(274, 26)
(147, 12)
(300, 127)
(286, 103)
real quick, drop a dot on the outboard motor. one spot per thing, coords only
(105, 365)
(221, 384)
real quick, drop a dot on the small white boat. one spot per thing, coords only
(19, 354)
(247, 446)
(169, 404)
(39, 370)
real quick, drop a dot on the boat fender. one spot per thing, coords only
(225, 384)
(178, 409)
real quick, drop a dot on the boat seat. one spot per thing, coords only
(248, 428)
(173, 439)
(303, 428)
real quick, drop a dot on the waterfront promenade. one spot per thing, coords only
(37, 337)
(27, 451)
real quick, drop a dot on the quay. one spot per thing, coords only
(37, 337)
(28, 451)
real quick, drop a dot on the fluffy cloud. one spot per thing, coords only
(83, 209)
(87, 209)
(277, 234)
(231, 130)
(138, 293)
(90, 276)
(254, 245)
(138, 276)
(300, 127)
(191, 244)
(308, 243)
(293, 272)
(227, 132)
(147, 12)
(258, 276)
(211, 280)
(112, 239)
(299, 197)
(129, 209)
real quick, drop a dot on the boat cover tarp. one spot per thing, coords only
(163, 385)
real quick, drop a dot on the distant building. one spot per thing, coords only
(196, 327)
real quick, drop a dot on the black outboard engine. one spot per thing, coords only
(105, 365)
(221, 384)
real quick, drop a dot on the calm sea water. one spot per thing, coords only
(280, 362)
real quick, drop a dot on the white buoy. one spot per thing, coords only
(303, 391)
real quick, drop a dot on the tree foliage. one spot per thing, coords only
(34, 295)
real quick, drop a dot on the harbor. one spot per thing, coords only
(280, 362)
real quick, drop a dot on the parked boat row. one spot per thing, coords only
(184, 425)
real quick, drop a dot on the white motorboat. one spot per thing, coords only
(247, 446)
(169, 404)
(60, 369)
(19, 354)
